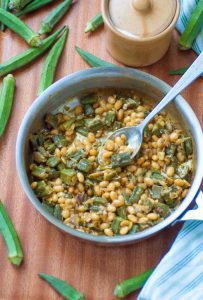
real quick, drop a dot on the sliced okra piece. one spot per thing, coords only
(122, 212)
(115, 226)
(39, 172)
(131, 103)
(89, 99)
(120, 159)
(188, 146)
(60, 140)
(136, 194)
(82, 131)
(94, 124)
(84, 165)
(88, 110)
(43, 189)
(68, 176)
(110, 118)
(162, 209)
(156, 191)
(184, 169)
(98, 200)
(53, 161)
(67, 124)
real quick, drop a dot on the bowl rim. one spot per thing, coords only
(76, 77)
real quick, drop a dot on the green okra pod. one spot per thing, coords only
(54, 17)
(15, 253)
(18, 26)
(6, 101)
(49, 67)
(120, 159)
(62, 287)
(193, 27)
(94, 23)
(136, 194)
(4, 5)
(130, 285)
(34, 5)
(115, 226)
(179, 71)
(92, 60)
(18, 4)
(29, 55)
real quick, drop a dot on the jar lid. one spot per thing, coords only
(142, 18)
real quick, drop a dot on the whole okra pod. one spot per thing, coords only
(62, 287)
(94, 23)
(132, 284)
(29, 55)
(18, 26)
(15, 253)
(4, 5)
(54, 17)
(93, 60)
(49, 67)
(34, 5)
(18, 4)
(6, 101)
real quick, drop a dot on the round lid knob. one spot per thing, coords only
(141, 5)
(141, 18)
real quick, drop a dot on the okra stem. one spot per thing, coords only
(132, 284)
(15, 253)
(34, 5)
(92, 60)
(20, 28)
(4, 5)
(54, 17)
(29, 55)
(94, 23)
(18, 4)
(6, 101)
(62, 287)
(49, 67)
(193, 27)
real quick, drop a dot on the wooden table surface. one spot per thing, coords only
(91, 269)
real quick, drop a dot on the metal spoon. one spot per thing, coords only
(134, 134)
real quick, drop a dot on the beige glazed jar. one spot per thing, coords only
(138, 32)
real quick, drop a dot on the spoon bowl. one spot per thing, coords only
(134, 139)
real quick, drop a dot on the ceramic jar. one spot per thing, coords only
(138, 32)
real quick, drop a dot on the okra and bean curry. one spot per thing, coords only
(120, 196)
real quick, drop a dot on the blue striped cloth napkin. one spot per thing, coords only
(186, 8)
(179, 275)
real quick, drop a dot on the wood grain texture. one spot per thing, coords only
(91, 269)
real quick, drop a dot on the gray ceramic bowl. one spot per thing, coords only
(103, 78)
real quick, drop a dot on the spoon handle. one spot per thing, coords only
(190, 75)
